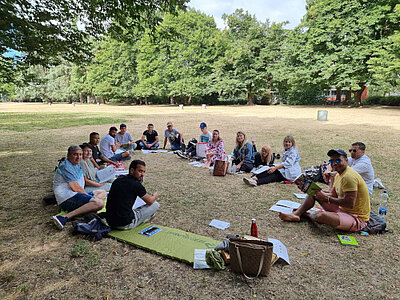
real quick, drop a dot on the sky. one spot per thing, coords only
(274, 10)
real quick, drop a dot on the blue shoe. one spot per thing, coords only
(60, 221)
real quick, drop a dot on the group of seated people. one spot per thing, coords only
(78, 190)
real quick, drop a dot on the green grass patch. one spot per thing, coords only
(23, 122)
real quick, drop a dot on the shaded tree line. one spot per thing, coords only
(347, 45)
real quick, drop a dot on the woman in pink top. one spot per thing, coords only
(215, 149)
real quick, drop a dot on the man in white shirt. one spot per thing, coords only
(362, 164)
(108, 146)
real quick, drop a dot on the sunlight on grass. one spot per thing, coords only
(23, 122)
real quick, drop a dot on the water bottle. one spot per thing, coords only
(383, 204)
(253, 229)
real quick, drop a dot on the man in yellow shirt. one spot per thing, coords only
(347, 204)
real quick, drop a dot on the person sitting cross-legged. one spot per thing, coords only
(150, 139)
(347, 205)
(124, 140)
(68, 187)
(121, 199)
(108, 146)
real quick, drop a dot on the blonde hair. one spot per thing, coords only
(266, 148)
(239, 146)
(290, 139)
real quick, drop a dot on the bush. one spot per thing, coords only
(382, 100)
(311, 95)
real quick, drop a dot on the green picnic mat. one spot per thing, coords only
(170, 242)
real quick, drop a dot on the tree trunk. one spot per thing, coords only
(189, 100)
(146, 100)
(102, 101)
(140, 100)
(172, 100)
(348, 97)
(358, 93)
(338, 95)
(88, 99)
(250, 98)
(81, 99)
(69, 99)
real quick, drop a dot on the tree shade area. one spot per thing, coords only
(160, 52)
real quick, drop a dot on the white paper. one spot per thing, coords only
(201, 149)
(160, 151)
(146, 151)
(288, 203)
(260, 169)
(219, 224)
(119, 150)
(282, 209)
(280, 250)
(106, 174)
(138, 203)
(196, 164)
(124, 172)
(300, 196)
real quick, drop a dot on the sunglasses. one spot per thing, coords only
(353, 150)
(338, 161)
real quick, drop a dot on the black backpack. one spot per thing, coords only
(91, 225)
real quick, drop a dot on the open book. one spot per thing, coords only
(306, 185)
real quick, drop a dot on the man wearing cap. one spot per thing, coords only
(124, 140)
(108, 146)
(346, 204)
(174, 136)
(360, 162)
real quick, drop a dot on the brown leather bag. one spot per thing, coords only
(220, 167)
(250, 257)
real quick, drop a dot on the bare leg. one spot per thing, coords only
(326, 217)
(295, 216)
(94, 205)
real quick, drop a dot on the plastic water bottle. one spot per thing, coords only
(383, 204)
(253, 229)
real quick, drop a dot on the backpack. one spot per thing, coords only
(315, 173)
(375, 225)
(91, 225)
(59, 162)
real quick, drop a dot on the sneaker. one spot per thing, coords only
(250, 182)
(182, 155)
(60, 221)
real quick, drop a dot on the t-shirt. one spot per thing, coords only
(205, 138)
(105, 145)
(96, 154)
(66, 172)
(120, 200)
(363, 166)
(123, 139)
(171, 135)
(150, 138)
(350, 181)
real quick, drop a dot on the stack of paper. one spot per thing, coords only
(219, 224)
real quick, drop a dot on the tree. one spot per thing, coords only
(48, 29)
(252, 48)
(339, 39)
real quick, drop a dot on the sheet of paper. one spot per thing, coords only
(138, 203)
(106, 174)
(200, 259)
(144, 151)
(288, 203)
(196, 164)
(300, 196)
(119, 150)
(160, 151)
(282, 209)
(260, 169)
(219, 224)
(280, 250)
(124, 172)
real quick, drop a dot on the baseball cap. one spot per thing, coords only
(122, 125)
(169, 123)
(203, 125)
(337, 151)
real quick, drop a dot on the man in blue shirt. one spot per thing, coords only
(68, 186)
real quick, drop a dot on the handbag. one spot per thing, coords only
(220, 167)
(250, 257)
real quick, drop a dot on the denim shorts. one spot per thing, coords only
(76, 201)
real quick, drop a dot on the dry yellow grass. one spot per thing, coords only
(35, 257)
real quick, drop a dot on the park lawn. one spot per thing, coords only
(40, 262)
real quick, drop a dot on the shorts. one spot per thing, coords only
(76, 201)
(348, 221)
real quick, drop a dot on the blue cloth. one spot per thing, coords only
(146, 146)
(244, 154)
(69, 171)
(291, 164)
